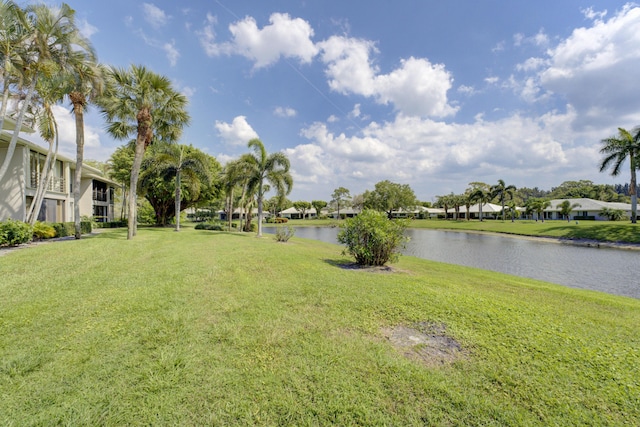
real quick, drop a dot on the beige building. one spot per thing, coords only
(18, 186)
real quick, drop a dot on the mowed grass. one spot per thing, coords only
(606, 231)
(211, 328)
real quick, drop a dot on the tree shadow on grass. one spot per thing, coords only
(348, 264)
(604, 232)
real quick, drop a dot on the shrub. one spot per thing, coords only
(64, 229)
(372, 239)
(208, 226)
(284, 233)
(42, 230)
(13, 233)
(281, 220)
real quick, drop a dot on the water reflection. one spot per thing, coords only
(603, 269)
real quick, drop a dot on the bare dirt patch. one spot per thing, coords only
(425, 342)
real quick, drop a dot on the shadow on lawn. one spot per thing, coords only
(604, 232)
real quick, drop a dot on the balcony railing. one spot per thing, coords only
(56, 184)
(100, 195)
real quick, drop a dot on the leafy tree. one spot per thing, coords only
(501, 190)
(372, 239)
(357, 201)
(566, 207)
(302, 206)
(389, 196)
(178, 160)
(263, 168)
(319, 205)
(612, 214)
(481, 194)
(167, 165)
(616, 150)
(339, 197)
(141, 103)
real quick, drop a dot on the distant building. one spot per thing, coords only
(589, 209)
(18, 186)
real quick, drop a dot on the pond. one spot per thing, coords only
(608, 270)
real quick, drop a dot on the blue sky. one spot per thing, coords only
(429, 93)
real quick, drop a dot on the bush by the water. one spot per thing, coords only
(373, 239)
(14, 233)
(284, 233)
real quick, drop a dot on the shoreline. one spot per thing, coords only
(560, 240)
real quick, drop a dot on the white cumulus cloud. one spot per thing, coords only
(238, 132)
(155, 16)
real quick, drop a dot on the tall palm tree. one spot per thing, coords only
(48, 94)
(178, 160)
(481, 194)
(84, 84)
(501, 190)
(566, 207)
(14, 28)
(142, 103)
(616, 150)
(263, 168)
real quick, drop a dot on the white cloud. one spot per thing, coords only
(591, 14)
(467, 90)
(172, 53)
(597, 67)
(420, 151)
(284, 37)
(86, 29)
(155, 16)
(207, 37)
(349, 67)
(285, 112)
(238, 132)
(416, 87)
(492, 80)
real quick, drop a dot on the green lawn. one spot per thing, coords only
(212, 328)
(620, 231)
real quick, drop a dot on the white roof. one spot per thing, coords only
(588, 205)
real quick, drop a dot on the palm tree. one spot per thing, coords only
(48, 94)
(84, 84)
(501, 190)
(178, 160)
(13, 32)
(235, 175)
(273, 168)
(566, 207)
(47, 37)
(616, 150)
(538, 206)
(480, 193)
(141, 103)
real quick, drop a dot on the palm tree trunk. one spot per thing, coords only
(133, 185)
(633, 190)
(260, 210)
(79, 116)
(44, 184)
(178, 196)
(16, 131)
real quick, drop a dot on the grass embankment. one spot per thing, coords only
(603, 231)
(206, 328)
